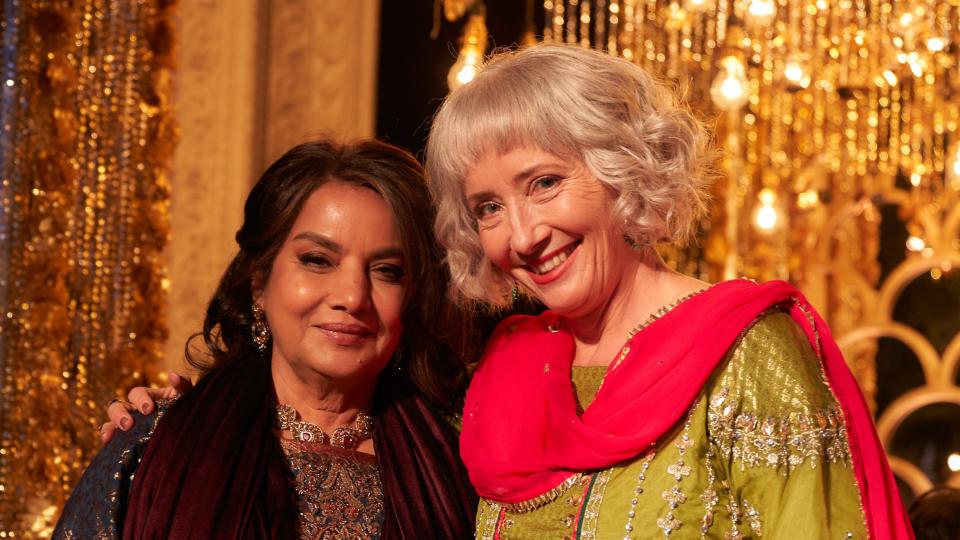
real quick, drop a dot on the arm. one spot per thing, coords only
(97, 505)
(142, 399)
(780, 441)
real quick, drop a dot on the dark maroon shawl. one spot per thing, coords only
(214, 469)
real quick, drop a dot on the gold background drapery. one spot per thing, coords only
(86, 137)
(242, 92)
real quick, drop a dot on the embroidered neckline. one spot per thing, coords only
(656, 315)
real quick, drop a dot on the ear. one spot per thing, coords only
(257, 287)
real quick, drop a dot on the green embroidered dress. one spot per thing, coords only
(762, 453)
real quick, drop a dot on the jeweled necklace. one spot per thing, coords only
(346, 437)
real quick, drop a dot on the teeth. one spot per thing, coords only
(549, 265)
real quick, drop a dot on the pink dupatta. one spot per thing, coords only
(522, 435)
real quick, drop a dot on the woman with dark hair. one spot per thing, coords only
(319, 413)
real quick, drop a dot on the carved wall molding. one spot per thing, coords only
(254, 77)
(321, 73)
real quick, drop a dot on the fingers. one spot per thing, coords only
(144, 399)
(106, 432)
(119, 413)
(180, 383)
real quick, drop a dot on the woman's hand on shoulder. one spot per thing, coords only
(142, 399)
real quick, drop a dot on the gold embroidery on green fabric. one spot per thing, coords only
(753, 518)
(787, 441)
(709, 496)
(544, 498)
(638, 490)
(733, 509)
(489, 527)
(588, 527)
(843, 420)
(679, 470)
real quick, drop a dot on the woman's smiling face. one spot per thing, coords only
(334, 298)
(547, 222)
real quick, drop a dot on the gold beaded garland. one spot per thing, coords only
(86, 133)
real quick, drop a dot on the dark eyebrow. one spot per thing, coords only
(321, 240)
(388, 252)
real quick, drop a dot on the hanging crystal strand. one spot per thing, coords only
(558, 20)
(585, 20)
(600, 29)
(548, 21)
(614, 26)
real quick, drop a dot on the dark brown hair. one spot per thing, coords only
(430, 351)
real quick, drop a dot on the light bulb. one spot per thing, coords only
(697, 6)
(761, 12)
(766, 216)
(730, 89)
(795, 71)
(471, 54)
(915, 243)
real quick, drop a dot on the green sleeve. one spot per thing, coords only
(779, 439)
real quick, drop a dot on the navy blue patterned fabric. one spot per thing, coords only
(95, 509)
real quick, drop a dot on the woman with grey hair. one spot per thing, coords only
(642, 402)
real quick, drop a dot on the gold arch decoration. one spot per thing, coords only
(85, 139)
(830, 113)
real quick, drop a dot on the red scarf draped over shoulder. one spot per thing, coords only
(522, 435)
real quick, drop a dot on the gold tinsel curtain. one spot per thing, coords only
(86, 133)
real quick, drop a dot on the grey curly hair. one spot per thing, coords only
(630, 131)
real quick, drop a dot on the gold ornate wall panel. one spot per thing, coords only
(86, 137)
(216, 99)
(830, 114)
(254, 78)
(322, 71)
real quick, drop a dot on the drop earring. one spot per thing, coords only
(260, 330)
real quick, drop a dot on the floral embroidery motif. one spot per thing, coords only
(709, 496)
(339, 493)
(785, 442)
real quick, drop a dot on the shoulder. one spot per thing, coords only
(770, 402)
(774, 367)
(98, 501)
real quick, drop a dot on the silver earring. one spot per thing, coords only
(261, 332)
(514, 294)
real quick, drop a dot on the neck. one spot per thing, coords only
(319, 400)
(646, 286)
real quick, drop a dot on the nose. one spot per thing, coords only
(351, 292)
(528, 234)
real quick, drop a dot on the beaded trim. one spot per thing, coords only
(637, 491)
(530, 505)
(591, 514)
(675, 496)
